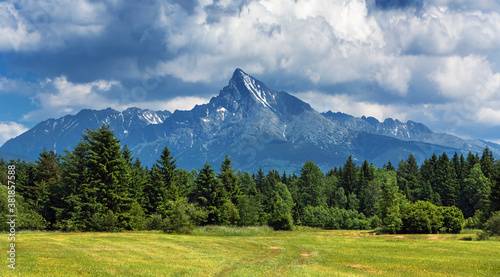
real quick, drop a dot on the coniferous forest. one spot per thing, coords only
(100, 186)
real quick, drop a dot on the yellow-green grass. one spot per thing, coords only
(213, 252)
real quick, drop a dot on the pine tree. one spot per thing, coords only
(47, 185)
(457, 166)
(428, 173)
(349, 172)
(446, 182)
(390, 167)
(185, 182)
(470, 162)
(229, 181)
(167, 165)
(155, 192)
(365, 175)
(487, 161)
(259, 180)
(208, 192)
(79, 202)
(108, 174)
(247, 184)
(408, 178)
(138, 181)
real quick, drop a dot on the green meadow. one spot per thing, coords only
(257, 251)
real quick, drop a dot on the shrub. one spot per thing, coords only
(228, 214)
(104, 222)
(178, 220)
(492, 226)
(154, 222)
(422, 217)
(453, 219)
(374, 222)
(335, 218)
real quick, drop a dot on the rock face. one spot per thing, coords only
(256, 126)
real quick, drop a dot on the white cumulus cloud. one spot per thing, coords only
(9, 129)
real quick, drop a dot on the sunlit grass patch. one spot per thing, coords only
(212, 230)
(234, 251)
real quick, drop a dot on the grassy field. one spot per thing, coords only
(250, 252)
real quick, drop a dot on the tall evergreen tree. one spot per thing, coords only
(247, 184)
(470, 162)
(390, 167)
(349, 174)
(167, 165)
(457, 166)
(77, 193)
(446, 185)
(408, 178)
(229, 181)
(311, 186)
(208, 192)
(107, 170)
(155, 192)
(365, 175)
(47, 179)
(475, 194)
(487, 161)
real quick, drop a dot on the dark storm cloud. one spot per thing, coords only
(398, 4)
(403, 59)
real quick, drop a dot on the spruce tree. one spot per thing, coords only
(229, 181)
(247, 184)
(487, 161)
(349, 172)
(167, 165)
(446, 184)
(78, 199)
(155, 192)
(208, 192)
(108, 177)
(47, 179)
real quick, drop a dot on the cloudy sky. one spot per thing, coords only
(431, 61)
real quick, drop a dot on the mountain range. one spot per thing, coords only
(256, 126)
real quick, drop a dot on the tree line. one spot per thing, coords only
(100, 186)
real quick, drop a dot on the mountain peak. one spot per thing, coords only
(238, 73)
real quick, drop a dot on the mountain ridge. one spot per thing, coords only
(256, 126)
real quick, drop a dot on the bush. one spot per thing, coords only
(492, 226)
(104, 222)
(228, 214)
(453, 219)
(481, 236)
(422, 217)
(137, 220)
(374, 222)
(154, 222)
(335, 218)
(177, 221)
